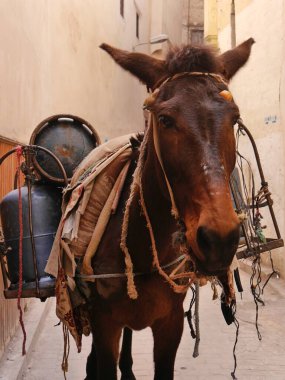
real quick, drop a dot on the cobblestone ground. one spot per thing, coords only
(256, 359)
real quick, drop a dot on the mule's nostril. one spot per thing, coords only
(205, 239)
(217, 247)
(213, 245)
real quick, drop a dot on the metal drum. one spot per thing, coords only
(46, 213)
(70, 138)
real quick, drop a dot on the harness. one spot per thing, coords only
(136, 186)
(123, 275)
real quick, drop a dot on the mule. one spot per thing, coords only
(183, 187)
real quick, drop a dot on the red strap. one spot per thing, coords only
(19, 151)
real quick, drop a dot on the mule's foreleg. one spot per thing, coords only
(167, 335)
(126, 360)
(106, 338)
(91, 365)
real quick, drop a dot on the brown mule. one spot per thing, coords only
(189, 154)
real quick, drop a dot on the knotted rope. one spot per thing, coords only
(132, 292)
(64, 363)
(177, 288)
(197, 321)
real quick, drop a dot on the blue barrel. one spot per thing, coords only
(46, 214)
(69, 138)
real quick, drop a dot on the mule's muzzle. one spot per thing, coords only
(217, 249)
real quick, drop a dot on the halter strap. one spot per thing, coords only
(174, 210)
(218, 77)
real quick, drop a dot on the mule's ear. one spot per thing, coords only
(147, 69)
(232, 60)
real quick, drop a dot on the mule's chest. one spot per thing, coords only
(155, 300)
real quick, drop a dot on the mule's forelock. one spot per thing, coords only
(192, 58)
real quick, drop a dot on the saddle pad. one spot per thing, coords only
(92, 203)
(85, 198)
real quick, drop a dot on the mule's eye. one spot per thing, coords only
(166, 121)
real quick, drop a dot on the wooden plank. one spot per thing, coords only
(263, 247)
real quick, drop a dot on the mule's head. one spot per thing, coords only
(195, 115)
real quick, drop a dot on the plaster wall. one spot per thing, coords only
(193, 19)
(172, 20)
(50, 63)
(259, 91)
(166, 18)
(224, 10)
(211, 22)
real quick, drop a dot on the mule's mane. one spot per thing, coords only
(191, 58)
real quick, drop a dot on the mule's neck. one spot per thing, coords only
(151, 197)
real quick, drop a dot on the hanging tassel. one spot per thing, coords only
(66, 349)
(197, 321)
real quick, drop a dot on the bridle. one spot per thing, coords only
(218, 77)
(153, 122)
(137, 187)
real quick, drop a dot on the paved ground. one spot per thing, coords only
(257, 360)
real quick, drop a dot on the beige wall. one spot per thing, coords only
(172, 20)
(224, 10)
(259, 90)
(211, 22)
(193, 21)
(50, 63)
(166, 18)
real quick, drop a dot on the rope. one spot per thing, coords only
(132, 292)
(197, 321)
(219, 78)
(188, 314)
(64, 363)
(180, 259)
(235, 344)
(174, 210)
(19, 152)
(271, 274)
(131, 287)
(177, 288)
(256, 290)
(252, 224)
